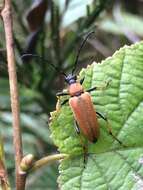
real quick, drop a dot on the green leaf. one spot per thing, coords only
(109, 165)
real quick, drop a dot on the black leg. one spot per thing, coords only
(99, 88)
(82, 143)
(110, 132)
(101, 115)
(77, 127)
(92, 89)
(62, 94)
(81, 81)
(109, 129)
(64, 102)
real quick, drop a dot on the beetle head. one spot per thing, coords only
(70, 79)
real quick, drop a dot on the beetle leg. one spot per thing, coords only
(81, 141)
(77, 127)
(109, 129)
(64, 102)
(99, 88)
(92, 89)
(59, 94)
(81, 81)
(96, 88)
(58, 105)
(62, 94)
(110, 132)
(102, 116)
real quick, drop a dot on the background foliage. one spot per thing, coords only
(54, 30)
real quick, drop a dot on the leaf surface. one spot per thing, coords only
(109, 165)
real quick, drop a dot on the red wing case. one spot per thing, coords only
(85, 115)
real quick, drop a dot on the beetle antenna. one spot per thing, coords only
(37, 56)
(79, 50)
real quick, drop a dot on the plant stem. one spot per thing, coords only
(7, 19)
(47, 160)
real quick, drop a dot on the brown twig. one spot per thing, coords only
(7, 19)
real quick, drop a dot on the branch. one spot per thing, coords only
(7, 19)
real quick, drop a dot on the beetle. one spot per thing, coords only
(81, 103)
(83, 109)
(82, 106)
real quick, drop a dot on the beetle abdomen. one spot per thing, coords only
(85, 115)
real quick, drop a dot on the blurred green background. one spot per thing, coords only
(55, 30)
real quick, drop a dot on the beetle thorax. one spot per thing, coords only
(75, 89)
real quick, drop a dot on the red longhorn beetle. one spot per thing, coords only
(81, 103)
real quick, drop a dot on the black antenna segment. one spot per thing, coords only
(79, 50)
(39, 57)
